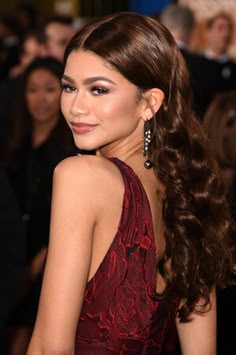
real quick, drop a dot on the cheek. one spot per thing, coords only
(53, 99)
(29, 99)
(116, 108)
(56, 100)
(65, 105)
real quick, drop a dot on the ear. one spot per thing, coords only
(153, 100)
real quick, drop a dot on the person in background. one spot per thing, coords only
(40, 139)
(58, 31)
(218, 38)
(180, 21)
(12, 254)
(32, 46)
(27, 18)
(208, 75)
(220, 125)
(10, 43)
(131, 248)
(219, 34)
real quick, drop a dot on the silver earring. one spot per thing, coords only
(146, 141)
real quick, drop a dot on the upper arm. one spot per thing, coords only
(199, 335)
(73, 218)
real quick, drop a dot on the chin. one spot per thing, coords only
(84, 146)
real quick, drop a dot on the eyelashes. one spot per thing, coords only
(98, 90)
(67, 88)
(95, 90)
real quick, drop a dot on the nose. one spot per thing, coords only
(78, 105)
(41, 97)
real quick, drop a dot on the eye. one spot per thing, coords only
(68, 88)
(31, 90)
(51, 89)
(97, 90)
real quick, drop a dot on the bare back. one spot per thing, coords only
(106, 228)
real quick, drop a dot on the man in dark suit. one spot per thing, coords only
(208, 75)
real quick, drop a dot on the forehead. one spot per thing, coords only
(84, 62)
(82, 65)
(42, 74)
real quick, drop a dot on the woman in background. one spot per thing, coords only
(38, 140)
(220, 125)
(131, 247)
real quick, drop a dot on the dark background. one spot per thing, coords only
(88, 7)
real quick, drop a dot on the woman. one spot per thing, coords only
(35, 148)
(220, 125)
(131, 246)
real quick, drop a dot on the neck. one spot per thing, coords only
(122, 149)
(41, 131)
(125, 147)
(182, 41)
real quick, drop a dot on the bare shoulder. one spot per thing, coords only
(89, 166)
(95, 174)
(77, 165)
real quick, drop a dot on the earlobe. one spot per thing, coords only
(153, 100)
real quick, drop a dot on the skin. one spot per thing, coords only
(43, 91)
(81, 231)
(31, 49)
(199, 335)
(57, 36)
(219, 36)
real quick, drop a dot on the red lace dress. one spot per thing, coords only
(120, 313)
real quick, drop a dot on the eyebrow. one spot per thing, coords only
(89, 80)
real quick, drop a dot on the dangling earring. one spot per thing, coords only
(146, 141)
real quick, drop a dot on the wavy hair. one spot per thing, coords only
(197, 226)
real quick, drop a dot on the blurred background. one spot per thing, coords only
(93, 8)
(78, 7)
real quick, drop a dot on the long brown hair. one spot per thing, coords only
(196, 218)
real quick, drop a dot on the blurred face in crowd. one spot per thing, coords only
(43, 91)
(31, 49)
(219, 35)
(57, 36)
(5, 30)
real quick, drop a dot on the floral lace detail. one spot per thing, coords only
(120, 313)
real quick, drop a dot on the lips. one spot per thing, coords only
(41, 109)
(82, 127)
